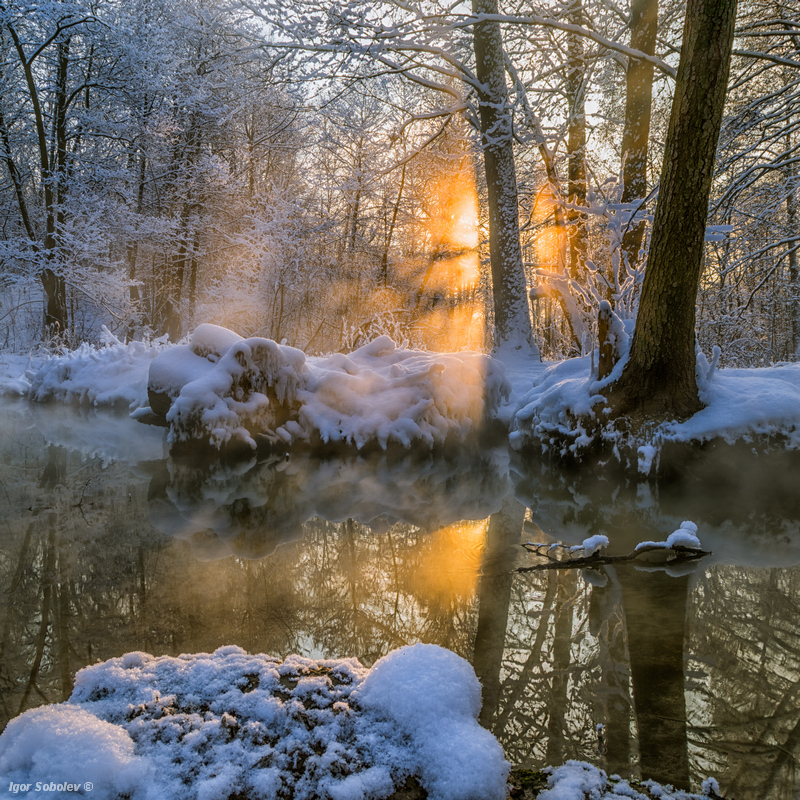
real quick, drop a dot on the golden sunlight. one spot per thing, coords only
(550, 241)
(450, 280)
(449, 569)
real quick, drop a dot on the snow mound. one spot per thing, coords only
(67, 744)
(232, 724)
(384, 393)
(114, 374)
(223, 389)
(588, 547)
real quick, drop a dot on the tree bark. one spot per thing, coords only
(512, 319)
(576, 144)
(55, 317)
(794, 273)
(638, 106)
(659, 379)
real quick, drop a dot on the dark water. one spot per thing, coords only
(107, 546)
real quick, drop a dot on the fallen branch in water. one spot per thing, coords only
(642, 554)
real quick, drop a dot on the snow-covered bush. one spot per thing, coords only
(231, 724)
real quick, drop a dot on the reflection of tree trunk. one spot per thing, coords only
(44, 623)
(494, 596)
(655, 612)
(516, 687)
(562, 641)
(62, 628)
(56, 468)
(786, 757)
(614, 706)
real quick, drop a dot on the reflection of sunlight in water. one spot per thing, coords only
(450, 560)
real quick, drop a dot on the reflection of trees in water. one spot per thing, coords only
(546, 703)
(733, 712)
(744, 705)
(85, 576)
(71, 571)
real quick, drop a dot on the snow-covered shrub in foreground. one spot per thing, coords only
(228, 723)
(240, 389)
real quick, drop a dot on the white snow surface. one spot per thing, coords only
(577, 780)
(233, 388)
(209, 725)
(685, 537)
(739, 403)
(114, 374)
(588, 547)
(378, 393)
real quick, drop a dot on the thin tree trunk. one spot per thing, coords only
(576, 143)
(384, 272)
(55, 317)
(512, 319)
(133, 248)
(659, 379)
(638, 107)
(16, 179)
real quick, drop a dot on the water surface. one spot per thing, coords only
(107, 545)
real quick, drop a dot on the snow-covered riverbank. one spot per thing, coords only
(220, 387)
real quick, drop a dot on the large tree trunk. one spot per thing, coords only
(512, 319)
(638, 106)
(659, 379)
(794, 273)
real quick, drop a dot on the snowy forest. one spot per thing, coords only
(418, 383)
(314, 173)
